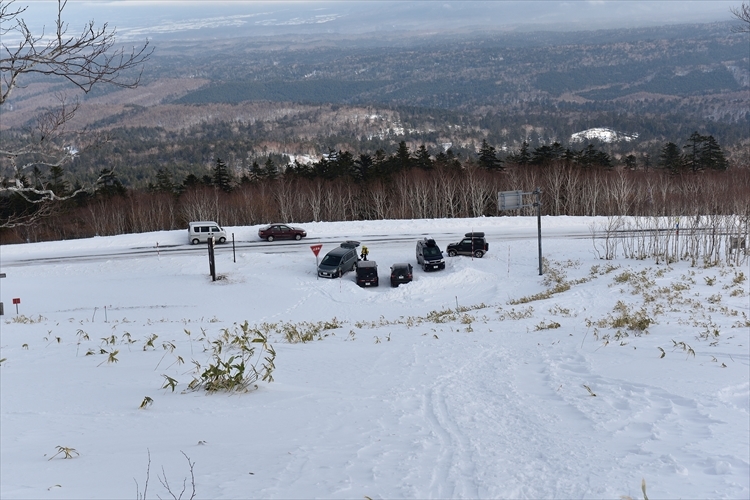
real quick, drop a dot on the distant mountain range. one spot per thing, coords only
(169, 20)
(206, 93)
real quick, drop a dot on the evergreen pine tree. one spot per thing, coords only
(452, 160)
(488, 157)
(363, 167)
(557, 150)
(344, 164)
(588, 156)
(423, 159)
(109, 185)
(324, 167)
(58, 185)
(570, 156)
(630, 162)
(523, 157)
(191, 180)
(670, 158)
(270, 169)
(164, 182)
(256, 172)
(712, 156)
(403, 157)
(602, 159)
(38, 177)
(692, 158)
(222, 177)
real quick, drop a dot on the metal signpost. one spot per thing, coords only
(538, 204)
(316, 250)
(513, 200)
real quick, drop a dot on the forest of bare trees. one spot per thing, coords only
(467, 191)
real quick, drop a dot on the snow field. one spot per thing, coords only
(457, 385)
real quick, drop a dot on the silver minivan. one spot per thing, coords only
(200, 231)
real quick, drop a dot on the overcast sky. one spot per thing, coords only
(141, 18)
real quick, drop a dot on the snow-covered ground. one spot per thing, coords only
(484, 380)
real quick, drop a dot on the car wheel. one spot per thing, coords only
(478, 254)
(222, 240)
(451, 253)
(195, 241)
(297, 237)
(270, 239)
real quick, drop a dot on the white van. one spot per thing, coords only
(200, 231)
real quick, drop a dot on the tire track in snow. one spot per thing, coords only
(454, 463)
(455, 471)
(444, 461)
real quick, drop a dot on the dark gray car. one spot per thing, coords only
(339, 260)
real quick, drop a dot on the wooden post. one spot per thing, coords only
(211, 260)
(2, 307)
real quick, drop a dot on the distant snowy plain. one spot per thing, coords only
(461, 384)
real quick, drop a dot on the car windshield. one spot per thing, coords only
(432, 252)
(331, 260)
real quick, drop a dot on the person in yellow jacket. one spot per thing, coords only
(365, 253)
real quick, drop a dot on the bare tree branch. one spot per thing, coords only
(84, 60)
(742, 13)
(28, 217)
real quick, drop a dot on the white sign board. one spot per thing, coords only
(509, 200)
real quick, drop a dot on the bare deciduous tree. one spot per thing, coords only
(380, 201)
(199, 203)
(85, 61)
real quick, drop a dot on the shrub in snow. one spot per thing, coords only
(234, 365)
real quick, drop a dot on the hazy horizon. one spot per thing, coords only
(167, 19)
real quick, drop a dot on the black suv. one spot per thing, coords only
(367, 273)
(429, 255)
(473, 244)
(401, 273)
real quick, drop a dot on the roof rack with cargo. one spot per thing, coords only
(429, 255)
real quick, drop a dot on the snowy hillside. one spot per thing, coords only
(484, 380)
(602, 134)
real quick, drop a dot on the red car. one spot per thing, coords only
(281, 232)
